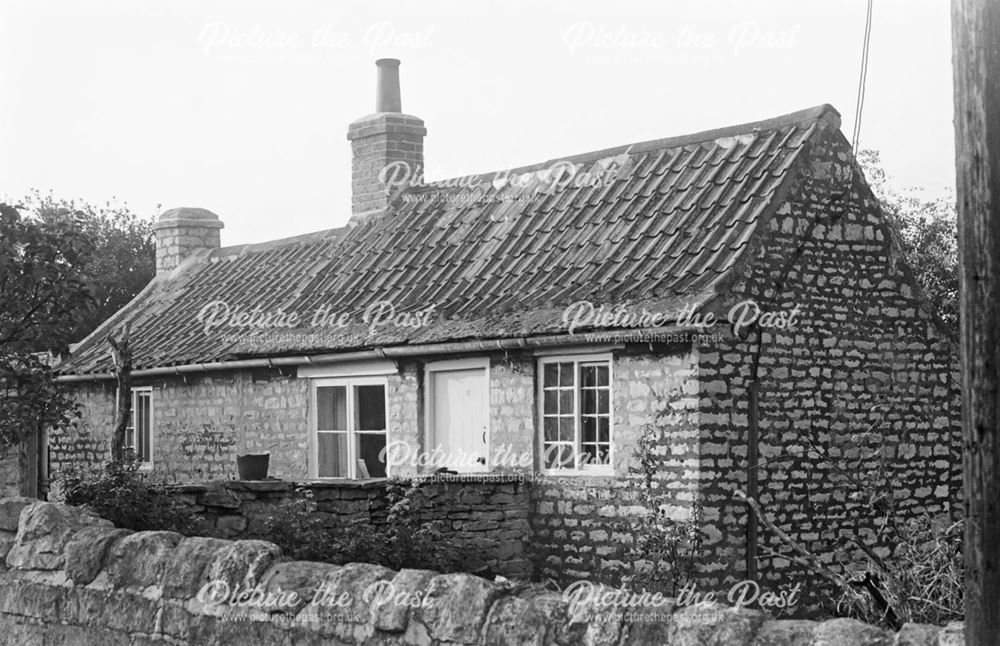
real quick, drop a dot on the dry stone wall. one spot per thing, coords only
(72, 578)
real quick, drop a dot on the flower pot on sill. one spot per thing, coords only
(253, 466)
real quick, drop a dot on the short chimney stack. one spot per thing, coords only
(386, 137)
(182, 232)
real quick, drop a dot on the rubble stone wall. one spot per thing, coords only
(68, 577)
(866, 379)
(581, 525)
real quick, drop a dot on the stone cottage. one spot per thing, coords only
(736, 295)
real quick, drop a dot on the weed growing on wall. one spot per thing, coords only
(121, 493)
(665, 549)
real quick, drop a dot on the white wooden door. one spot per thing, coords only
(459, 418)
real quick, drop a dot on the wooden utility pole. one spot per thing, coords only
(976, 54)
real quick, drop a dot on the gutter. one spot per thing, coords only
(392, 352)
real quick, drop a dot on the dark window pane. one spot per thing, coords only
(588, 402)
(566, 377)
(588, 376)
(603, 401)
(565, 402)
(331, 408)
(603, 432)
(551, 375)
(145, 423)
(551, 399)
(369, 404)
(370, 447)
(588, 429)
(332, 455)
(594, 454)
(559, 456)
(603, 374)
(566, 431)
(551, 425)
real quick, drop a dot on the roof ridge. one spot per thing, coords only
(267, 245)
(814, 113)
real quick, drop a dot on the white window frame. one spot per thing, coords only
(576, 359)
(144, 465)
(349, 383)
(473, 363)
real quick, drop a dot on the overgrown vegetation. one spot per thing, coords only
(121, 493)
(888, 566)
(124, 252)
(928, 236)
(405, 540)
(65, 267)
(665, 549)
(43, 292)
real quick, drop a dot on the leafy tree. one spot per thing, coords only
(928, 234)
(124, 254)
(42, 296)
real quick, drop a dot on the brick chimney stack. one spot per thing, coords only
(182, 232)
(386, 137)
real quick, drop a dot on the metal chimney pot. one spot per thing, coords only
(387, 93)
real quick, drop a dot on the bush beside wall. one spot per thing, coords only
(73, 578)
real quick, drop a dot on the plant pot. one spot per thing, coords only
(253, 466)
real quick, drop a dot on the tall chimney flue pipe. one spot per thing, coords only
(387, 92)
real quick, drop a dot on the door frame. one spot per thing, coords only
(450, 365)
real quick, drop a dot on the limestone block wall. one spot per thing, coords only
(200, 424)
(71, 578)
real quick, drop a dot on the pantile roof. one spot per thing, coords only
(654, 225)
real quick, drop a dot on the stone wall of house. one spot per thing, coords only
(487, 519)
(513, 412)
(67, 577)
(865, 370)
(200, 423)
(581, 526)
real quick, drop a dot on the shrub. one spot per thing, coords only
(119, 492)
(921, 581)
(406, 539)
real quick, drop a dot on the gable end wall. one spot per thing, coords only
(865, 355)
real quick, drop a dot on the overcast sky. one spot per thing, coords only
(242, 107)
